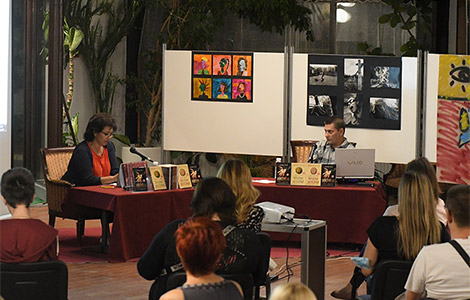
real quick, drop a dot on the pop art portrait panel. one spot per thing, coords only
(241, 89)
(222, 88)
(202, 64)
(242, 65)
(453, 132)
(222, 65)
(202, 88)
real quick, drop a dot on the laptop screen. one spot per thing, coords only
(355, 163)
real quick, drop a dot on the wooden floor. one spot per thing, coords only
(121, 281)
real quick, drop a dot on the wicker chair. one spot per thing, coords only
(55, 162)
(301, 150)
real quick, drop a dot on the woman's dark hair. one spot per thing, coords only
(96, 124)
(18, 187)
(213, 195)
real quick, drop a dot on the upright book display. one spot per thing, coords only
(328, 176)
(184, 178)
(132, 180)
(158, 179)
(282, 173)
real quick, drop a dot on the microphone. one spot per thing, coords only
(142, 156)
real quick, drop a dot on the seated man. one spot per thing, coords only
(439, 270)
(23, 239)
(324, 151)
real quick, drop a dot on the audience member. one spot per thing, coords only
(200, 244)
(401, 238)
(23, 239)
(422, 165)
(212, 198)
(440, 271)
(237, 175)
(323, 152)
(94, 160)
(292, 291)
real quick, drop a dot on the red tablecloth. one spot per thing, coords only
(139, 216)
(347, 210)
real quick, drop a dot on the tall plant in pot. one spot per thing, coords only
(192, 25)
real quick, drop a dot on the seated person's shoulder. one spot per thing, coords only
(176, 294)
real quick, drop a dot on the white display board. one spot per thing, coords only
(393, 146)
(430, 104)
(223, 127)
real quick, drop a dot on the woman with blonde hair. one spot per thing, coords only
(238, 176)
(402, 237)
(292, 291)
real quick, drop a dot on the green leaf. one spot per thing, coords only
(362, 46)
(384, 19)
(76, 40)
(411, 11)
(404, 48)
(409, 25)
(123, 139)
(394, 21)
(376, 51)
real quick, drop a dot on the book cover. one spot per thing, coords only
(184, 180)
(282, 173)
(298, 174)
(328, 175)
(313, 175)
(195, 174)
(158, 179)
(169, 173)
(140, 179)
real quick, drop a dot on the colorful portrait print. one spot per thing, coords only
(453, 131)
(222, 65)
(222, 88)
(202, 64)
(242, 65)
(241, 89)
(202, 88)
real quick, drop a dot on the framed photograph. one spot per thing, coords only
(353, 74)
(320, 74)
(352, 109)
(322, 105)
(385, 77)
(384, 108)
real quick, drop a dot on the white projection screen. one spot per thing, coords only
(393, 146)
(5, 92)
(224, 127)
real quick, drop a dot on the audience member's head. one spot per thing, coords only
(458, 205)
(214, 197)
(422, 165)
(17, 187)
(200, 243)
(292, 291)
(418, 223)
(337, 122)
(238, 176)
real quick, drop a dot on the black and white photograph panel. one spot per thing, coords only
(385, 77)
(322, 105)
(353, 74)
(352, 109)
(384, 108)
(320, 74)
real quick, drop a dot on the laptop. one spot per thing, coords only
(355, 163)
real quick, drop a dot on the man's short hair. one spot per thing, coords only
(458, 203)
(337, 122)
(17, 186)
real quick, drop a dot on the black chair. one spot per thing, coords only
(45, 280)
(261, 276)
(389, 279)
(244, 280)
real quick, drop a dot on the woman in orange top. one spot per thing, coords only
(94, 160)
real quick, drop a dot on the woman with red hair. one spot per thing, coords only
(200, 244)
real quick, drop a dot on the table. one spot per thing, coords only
(347, 210)
(313, 250)
(138, 216)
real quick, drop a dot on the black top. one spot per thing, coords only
(226, 290)
(384, 232)
(79, 171)
(241, 255)
(253, 220)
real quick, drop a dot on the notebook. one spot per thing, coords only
(355, 163)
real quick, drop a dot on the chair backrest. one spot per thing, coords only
(55, 162)
(389, 279)
(260, 275)
(40, 280)
(301, 150)
(244, 280)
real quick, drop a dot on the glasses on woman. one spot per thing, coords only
(107, 134)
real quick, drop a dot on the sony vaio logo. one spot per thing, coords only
(355, 162)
